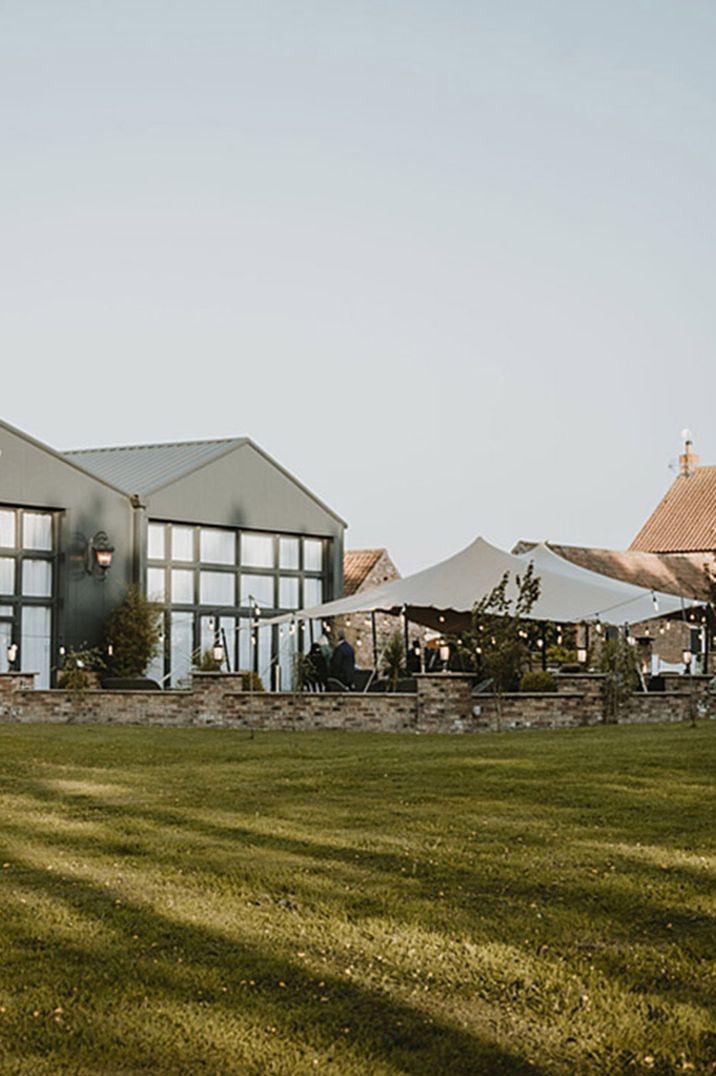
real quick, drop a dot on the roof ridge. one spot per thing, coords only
(156, 444)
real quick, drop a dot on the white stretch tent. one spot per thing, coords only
(443, 596)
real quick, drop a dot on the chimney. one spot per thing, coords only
(688, 460)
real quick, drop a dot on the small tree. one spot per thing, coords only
(620, 664)
(393, 660)
(133, 633)
(500, 634)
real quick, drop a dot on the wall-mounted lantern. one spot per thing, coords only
(99, 555)
(582, 655)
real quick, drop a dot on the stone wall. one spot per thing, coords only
(443, 703)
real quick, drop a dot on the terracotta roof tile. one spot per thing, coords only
(357, 563)
(685, 520)
(672, 573)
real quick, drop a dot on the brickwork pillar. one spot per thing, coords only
(444, 702)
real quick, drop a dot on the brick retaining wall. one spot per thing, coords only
(443, 703)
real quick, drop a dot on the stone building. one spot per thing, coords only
(363, 569)
(674, 552)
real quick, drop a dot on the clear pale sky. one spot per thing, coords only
(453, 264)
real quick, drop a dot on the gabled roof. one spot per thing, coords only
(685, 519)
(144, 468)
(670, 573)
(357, 565)
(61, 456)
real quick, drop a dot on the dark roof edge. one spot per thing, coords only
(231, 446)
(61, 457)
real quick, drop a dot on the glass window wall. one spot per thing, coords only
(26, 585)
(224, 573)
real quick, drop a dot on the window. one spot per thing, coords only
(182, 647)
(217, 547)
(288, 593)
(198, 572)
(257, 550)
(217, 588)
(257, 588)
(7, 575)
(182, 587)
(288, 553)
(36, 578)
(35, 642)
(7, 529)
(27, 557)
(156, 543)
(182, 543)
(156, 585)
(312, 555)
(37, 531)
(312, 592)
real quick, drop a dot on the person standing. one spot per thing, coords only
(343, 662)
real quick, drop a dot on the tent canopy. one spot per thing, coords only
(443, 595)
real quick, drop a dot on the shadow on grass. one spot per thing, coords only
(238, 980)
(581, 909)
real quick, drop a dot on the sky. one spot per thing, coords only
(451, 263)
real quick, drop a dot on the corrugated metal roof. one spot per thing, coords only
(143, 468)
(685, 519)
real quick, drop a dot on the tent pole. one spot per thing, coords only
(374, 633)
(406, 636)
(544, 646)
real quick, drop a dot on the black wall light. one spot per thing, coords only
(99, 555)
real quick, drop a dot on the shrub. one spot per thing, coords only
(207, 662)
(251, 681)
(538, 681)
(80, 668)
(133, 633)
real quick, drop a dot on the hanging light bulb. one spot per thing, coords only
(655, 601)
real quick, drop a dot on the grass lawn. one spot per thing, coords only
(190, 901)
